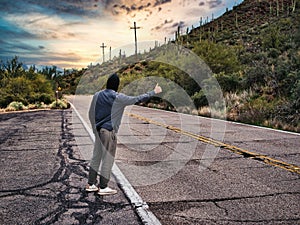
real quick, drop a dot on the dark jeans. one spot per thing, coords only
(104, 153)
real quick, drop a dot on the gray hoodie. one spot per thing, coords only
(108, 106)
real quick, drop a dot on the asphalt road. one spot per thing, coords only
(43, 174)
(187, 181)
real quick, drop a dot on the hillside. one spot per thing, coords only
(262, 85)
(247, 21)
(253, 51)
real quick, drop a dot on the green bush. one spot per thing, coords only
(60, 104)
(5, 99)
(36, 98)
(229, 82)
(15, 106)
(200, 99)
(273, 38)
(41, 105)
(219, 57)
(274, 53)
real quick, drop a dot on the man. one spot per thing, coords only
(105, 114)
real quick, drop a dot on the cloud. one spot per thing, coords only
(131, 7)
(161, 2)
(214, 3)
(39, 55)
(40, 26)
(10, 31)
(72, 30)
(31, 36)
(88, 8)
(179, 24)
(12, 48)
(123, 8)
(162, 25)
(12, 40)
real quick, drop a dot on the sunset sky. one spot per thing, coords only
(68, 33)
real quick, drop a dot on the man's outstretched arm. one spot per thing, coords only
(130, 100)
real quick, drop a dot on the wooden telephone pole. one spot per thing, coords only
(102, 46)
(135, 38)
(110, 53)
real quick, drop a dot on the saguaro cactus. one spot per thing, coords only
(201, 21)
(293, 5)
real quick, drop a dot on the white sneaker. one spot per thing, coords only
(91, 188)
(107, 191)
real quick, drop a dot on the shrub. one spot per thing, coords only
(41, 105)
(32, 106)
(5, 99)
(274, 53)
(200, 99)
(219, 57)
(60, 104)
(229, 82)
(204, 111)
(14, 106)
(235, 103)
(46, 98)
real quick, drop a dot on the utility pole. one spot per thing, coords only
(102, 46)
(135, 38)
(110, 53)
(120, 56)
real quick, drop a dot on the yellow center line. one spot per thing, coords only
(237, 150)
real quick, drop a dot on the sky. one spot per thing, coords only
(68, 33)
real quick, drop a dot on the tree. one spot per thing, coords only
(13, 67)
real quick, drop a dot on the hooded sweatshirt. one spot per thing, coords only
(108, 106)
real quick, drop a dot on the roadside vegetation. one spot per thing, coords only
(254, 52)
(22, 89)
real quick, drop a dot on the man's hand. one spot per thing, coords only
(157, 89)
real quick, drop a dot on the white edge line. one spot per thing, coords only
(139, 205)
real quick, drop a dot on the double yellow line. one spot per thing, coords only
(237, 150)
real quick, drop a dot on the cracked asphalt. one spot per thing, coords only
(232, 189)
(44, 166)
(186, 182)
(43, 175)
